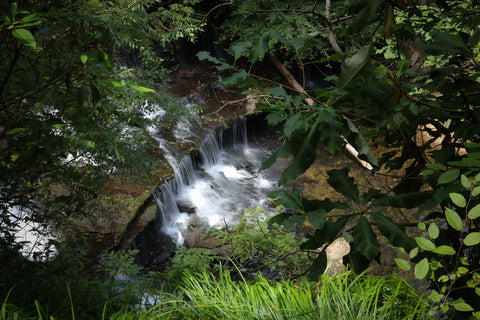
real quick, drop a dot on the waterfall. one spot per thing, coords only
(215, 186)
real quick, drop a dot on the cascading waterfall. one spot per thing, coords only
(215, 186)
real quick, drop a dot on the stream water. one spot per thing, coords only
(214, 186)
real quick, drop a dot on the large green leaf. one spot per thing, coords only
(293, 123)
(25, 36)
(404, 200)
(318, 266)
(304, 157)
(240, 48)
(289, 200)
(445, 43)
(317, 218)
(365, 240)
(394, 232)
(235, 79)
(342, 183)
(353, 65)
(332, 127)
(311, 205)
(287, 219)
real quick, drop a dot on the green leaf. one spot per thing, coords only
(473, 238)
(476, 191)
(403, 264)
(453, 219)
(342, 183)
(474, 213)
(293, 123)
(446, 250)
(449, 42)
(318, 266)
(16, 130)
(365, 241)
(235, 79)
(304, 157)
(448, 176)
(25, 36)
(413, 253)
(13, 9)
(462, 306)
(425, 244)
(287, 219)
(317, 218)
(403, 200)
(84, 59)
(327, 205)
(205, 55)
(466, 183)
(458, 199)
(240, 48)
(433, 231)
(421, 269)
(353, 65)
(140, 88)
(289, 200)
(260, 45)
(394, 232)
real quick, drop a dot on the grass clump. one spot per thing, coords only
(345, 296)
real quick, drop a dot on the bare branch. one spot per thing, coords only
(331, 36)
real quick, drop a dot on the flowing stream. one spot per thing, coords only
(215, 186)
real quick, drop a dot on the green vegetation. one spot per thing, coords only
(348, 296)
(399, 84)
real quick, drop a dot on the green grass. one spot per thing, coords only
(346, 296)
(207, 296)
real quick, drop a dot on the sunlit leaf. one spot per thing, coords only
(25, 36)
(474, 213)
(466, 183)
(446, 250)
(425, 244)
(403, 264)
(433, 231)
(140, 88)
(421, 269)
(458, 199)
(462, 306)
(453, 219)
(473, 238)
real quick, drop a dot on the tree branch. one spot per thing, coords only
(291, 79)
(331, 36)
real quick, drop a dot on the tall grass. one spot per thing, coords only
(205, 296)
(347, 296)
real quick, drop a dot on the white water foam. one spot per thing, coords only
(218, 189)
